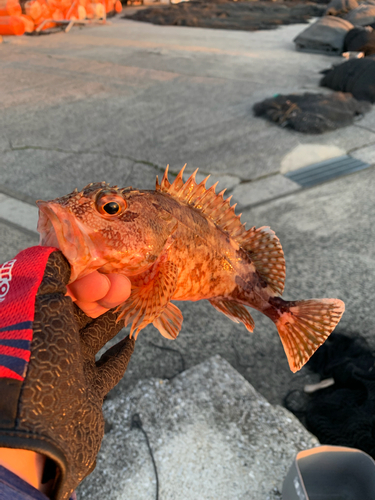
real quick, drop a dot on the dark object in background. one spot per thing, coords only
(363, 15)
(326, 35)
(356, 76)
(361, 39)
(340, 7)
(227, 14)
(344, 413)
(311, 113)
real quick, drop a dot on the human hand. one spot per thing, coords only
(96, 293)
(52, 388)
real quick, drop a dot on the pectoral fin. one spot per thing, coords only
(236, 312)
(150, 297)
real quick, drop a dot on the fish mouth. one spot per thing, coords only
(58, 228)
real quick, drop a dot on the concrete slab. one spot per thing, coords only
(212, 437)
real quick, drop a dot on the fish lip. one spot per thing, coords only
(67, 236)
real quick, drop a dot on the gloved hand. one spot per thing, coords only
(51, 388)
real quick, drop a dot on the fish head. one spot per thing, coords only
(105, 228)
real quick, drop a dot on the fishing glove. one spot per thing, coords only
(51, 388)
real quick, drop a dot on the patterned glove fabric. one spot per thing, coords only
(51, 388)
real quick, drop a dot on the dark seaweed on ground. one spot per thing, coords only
(312, 113)
(248, 16)
(355, 75)
(360, 39)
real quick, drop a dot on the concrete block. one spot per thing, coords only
(212, 436)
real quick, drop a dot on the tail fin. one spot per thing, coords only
(305, 326)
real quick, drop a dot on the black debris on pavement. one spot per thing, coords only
(326, 35)
(224, 14)
(360, 39)
(312, 113)
(356, 76)
(344, 413)
(363, 15)
(340, 7)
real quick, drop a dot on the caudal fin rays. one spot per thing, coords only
(306, 326)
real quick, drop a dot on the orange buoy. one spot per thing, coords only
(57, 15)
(90, 11)
(10, 8)
(11, 25)
(33, 9)
(29, 23)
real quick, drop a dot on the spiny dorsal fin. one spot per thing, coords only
(262, 244)
(206, 200)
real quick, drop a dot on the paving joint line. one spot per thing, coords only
(84, 152)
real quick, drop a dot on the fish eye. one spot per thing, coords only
(110, 204)
(111, 208)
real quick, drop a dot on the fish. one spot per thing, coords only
(183, 241)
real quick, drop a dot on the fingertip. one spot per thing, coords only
(119, 292)
(92, 309)
(91, 288)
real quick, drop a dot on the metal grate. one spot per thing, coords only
(326, 170)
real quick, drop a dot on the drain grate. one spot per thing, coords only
(326, 170)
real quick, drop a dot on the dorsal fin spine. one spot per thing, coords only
(188, 187)
(205, 199)
(165, 184)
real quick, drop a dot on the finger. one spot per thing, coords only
(100, 331)
(92, 309)
(90, 288)
(112, 365)
(118, 293)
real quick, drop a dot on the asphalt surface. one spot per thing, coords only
(119, 102)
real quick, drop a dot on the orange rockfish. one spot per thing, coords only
(183, 242)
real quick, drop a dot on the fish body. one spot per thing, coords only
(184, 242)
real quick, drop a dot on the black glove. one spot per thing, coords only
(51, 388)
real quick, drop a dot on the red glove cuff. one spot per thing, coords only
(19, 282)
